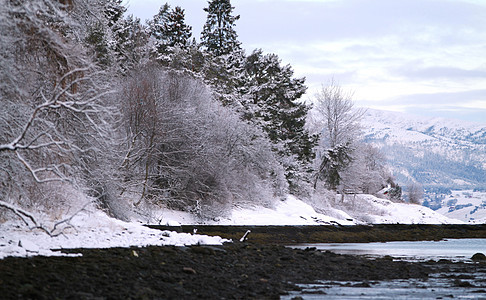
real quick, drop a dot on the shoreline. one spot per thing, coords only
(238, 270)
(284, 234)
(231, 271)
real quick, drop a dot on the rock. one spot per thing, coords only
(29, 246)
(462, 283)
(189, 270)
(479, 257)
(172, 223)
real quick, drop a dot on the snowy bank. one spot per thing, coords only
(373, 210)
(91, 230)
(359, 209)
(96, 230)
(292, 211)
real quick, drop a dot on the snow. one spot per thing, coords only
(388, 212)
(292, 211)
(94, 229)
(468, 206)
(91, 230)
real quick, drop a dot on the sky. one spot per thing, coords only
(425, 57)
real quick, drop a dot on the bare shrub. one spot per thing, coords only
(186, 151)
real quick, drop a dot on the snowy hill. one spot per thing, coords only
(432, 151)
(467, 205)
(359, 209)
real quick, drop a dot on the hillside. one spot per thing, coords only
(431, 151)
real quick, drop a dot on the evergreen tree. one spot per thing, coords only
(176, 32)
(130, 43)
(96, 39)
(169, 30)
(274, 104)
(100, 32)
(218, 35)
(333, 162)
(157, 31)
(114, 11)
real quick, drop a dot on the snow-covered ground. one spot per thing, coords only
(91, 230)
(466, 205)
(94, 229)
(387, 212)
(292, 211)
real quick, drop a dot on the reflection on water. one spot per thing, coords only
(456, 249)
(454, 283)
(433, 288)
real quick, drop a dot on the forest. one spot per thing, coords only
(100, 107)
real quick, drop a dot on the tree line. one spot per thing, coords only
(95, 104)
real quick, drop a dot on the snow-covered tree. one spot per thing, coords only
(176, 32)
(415, 193)
(170, 31)
(219, 36)
(186, 151)
(53, 122)
(338, 118)
(339, 127)
(274, 104)
(366, 171)
(130, 43)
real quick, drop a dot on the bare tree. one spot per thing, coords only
(337, 116)
(415, 193)
(186, 151)
(53, 119)
(338, 122)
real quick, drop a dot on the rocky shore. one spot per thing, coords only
(231, 271)
(260, 268)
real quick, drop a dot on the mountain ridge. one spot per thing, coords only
(429, 150)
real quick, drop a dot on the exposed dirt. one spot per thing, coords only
(232, 271)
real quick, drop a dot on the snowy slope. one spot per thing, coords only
(388, 212)
(292, 211)
(468, 206)
(432, 151)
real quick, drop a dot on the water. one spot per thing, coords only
(438, 286)
(452, 249)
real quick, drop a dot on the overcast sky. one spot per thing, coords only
(425, 57)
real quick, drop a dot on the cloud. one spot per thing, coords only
(441, 72)
(405, 54)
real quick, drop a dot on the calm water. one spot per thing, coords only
(455, 249)
(438, 286)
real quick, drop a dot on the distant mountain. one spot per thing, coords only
(435, 152)
(465, 205)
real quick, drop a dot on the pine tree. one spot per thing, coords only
(114, 11)
(274, 104)
(218, 35)
(130, 43)
(156, 30)
(169, 30)
(176, 32)
(100, 32)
